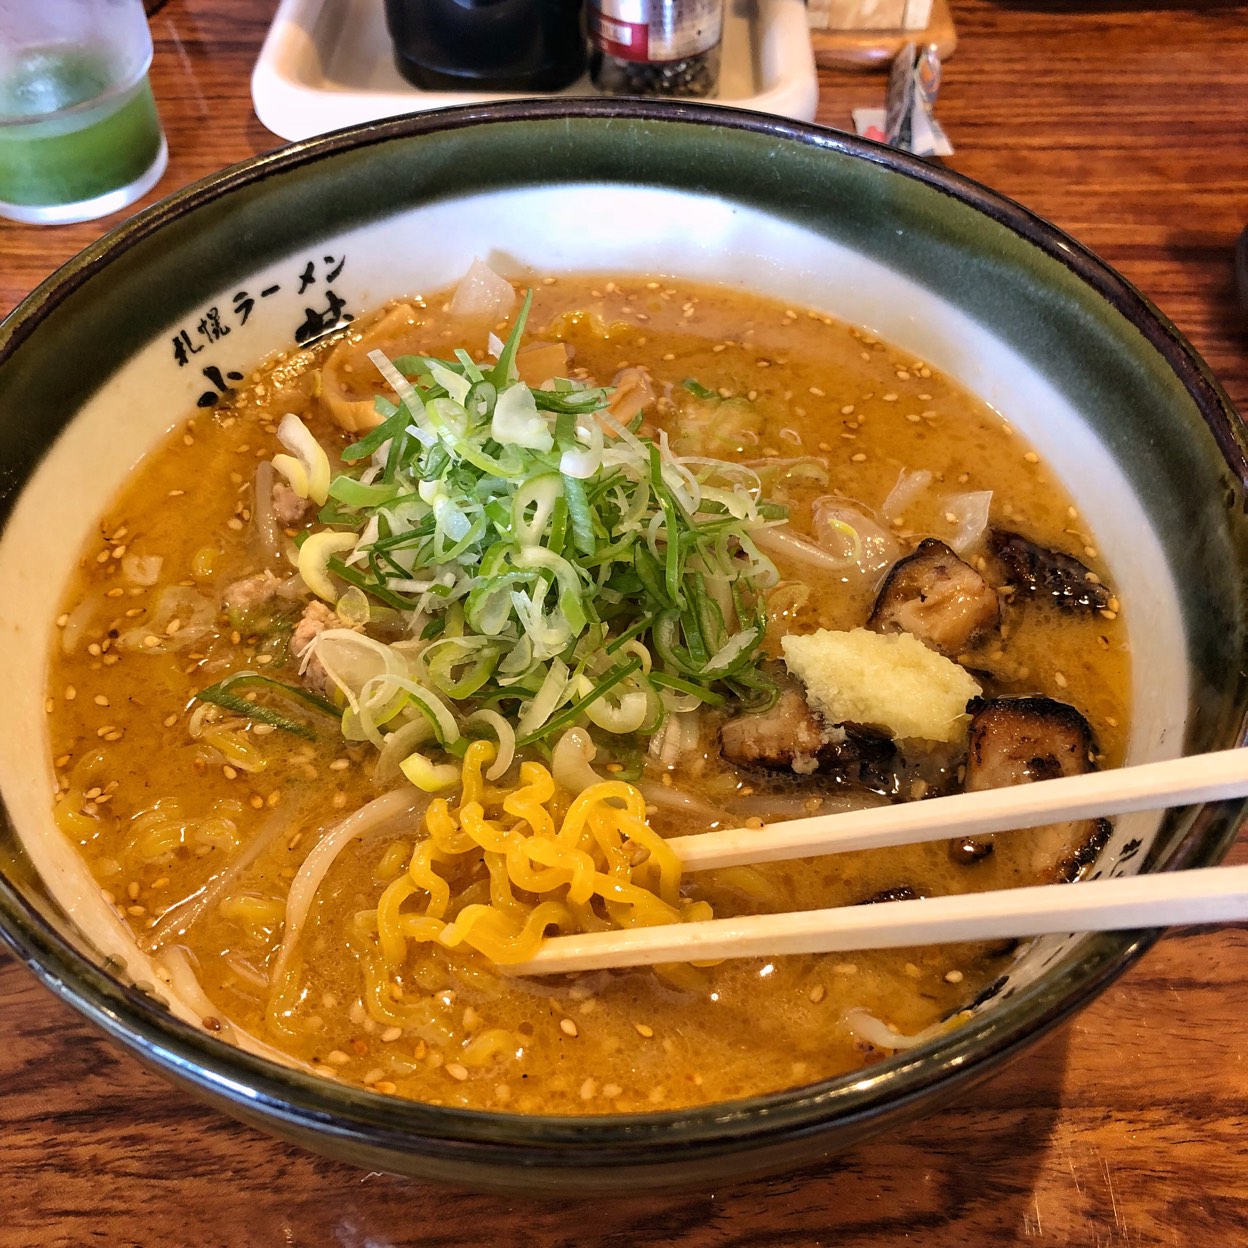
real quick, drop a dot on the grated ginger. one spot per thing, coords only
(893, 682)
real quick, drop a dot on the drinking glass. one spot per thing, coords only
(79, 133)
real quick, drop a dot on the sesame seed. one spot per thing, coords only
(817, 993)
(151, 642)
(62, 620)
(70, 693)
(568, 1027)
(611, 1090)
(456, 1071)
(340, 764)
(858, 458)
(953, 977)
(588, 1088)
(100, 700)
(1061, 680)
(643, 1031)
(1031, 457)
(889, 398)
(170, 720)
(819, 394)
(390, 1034)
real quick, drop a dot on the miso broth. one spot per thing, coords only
(868, 449)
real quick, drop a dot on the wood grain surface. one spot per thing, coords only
(1127, 126)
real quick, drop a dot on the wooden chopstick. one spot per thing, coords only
(1209, 895)
(1149, 786)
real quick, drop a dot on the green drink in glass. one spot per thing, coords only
(79, 133)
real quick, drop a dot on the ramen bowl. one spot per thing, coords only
(175, 306)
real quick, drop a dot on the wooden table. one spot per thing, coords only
(1127, 1128)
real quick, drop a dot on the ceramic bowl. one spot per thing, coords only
(174, 305)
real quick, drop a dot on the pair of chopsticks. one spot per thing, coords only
(1209, 895)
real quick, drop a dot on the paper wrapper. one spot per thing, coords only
(908, 119)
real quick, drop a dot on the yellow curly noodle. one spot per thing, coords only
(586, 874)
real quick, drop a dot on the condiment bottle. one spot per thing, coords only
(655, 47)
(487, 45)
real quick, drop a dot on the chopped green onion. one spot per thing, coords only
(222, 694)
(570, 713)
(698, 390)
(511, 537)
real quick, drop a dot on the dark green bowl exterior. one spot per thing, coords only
(1081, 325)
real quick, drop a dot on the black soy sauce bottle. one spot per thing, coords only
(487, 45)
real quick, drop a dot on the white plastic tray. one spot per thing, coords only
(329, 63)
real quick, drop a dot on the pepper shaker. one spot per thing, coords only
(655, 47)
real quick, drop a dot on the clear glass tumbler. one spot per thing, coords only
(79, 133)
